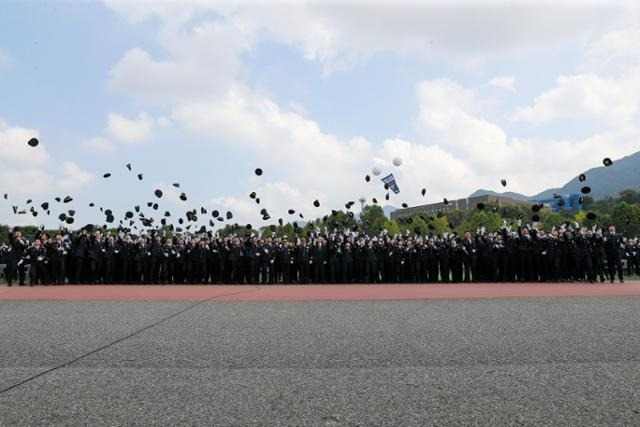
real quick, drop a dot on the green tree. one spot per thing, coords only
(372, 219)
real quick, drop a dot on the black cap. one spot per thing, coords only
(72, 212)
(203, 211)
(504, 182)
(252, 195)
(535, 218)
(375, 202)
(367, 178)
(445, 201)
(301, 216)
(386, 196)
(404, 205)
(140, 176)
(158, 193)
(316, 203)
(69, 220)
(258, 200)
(108, 212)
(149, 204)
(129, 215)
(585, 190)
(215, 214)
(180, 221)
(291, 211)
(45, 206)
(536, 208)
(582, 177)
(167, 213)
(176, 184)
(128, 165)
(258, 171)
(136, 208)
(6, 196)
(607, 162)
(480, 206)
(57, 199)
(33, 142)
(91, 204)
(155, 206)
(248, 227)
(424, 191)
(29, 201)
(68, 199)
(62, 216)
(229, 214)
(106, 175)
(280, 221)
(591, 216)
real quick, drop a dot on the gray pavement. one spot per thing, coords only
(530, 361)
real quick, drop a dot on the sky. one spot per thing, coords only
(314, 93)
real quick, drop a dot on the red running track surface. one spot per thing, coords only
(313, 292)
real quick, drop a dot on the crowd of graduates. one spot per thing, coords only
(525, 254)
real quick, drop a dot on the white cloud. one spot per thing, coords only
(342, 34)
(99, 145)
(22, 168)
(587, 97)
(134, 130)
(489, 154)
(616, 48)
(73, 177)
(507, 83)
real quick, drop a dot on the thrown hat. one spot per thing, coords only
(33, 142)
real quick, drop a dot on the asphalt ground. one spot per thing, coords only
(503, 361)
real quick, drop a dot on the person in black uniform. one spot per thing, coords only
(253, 259)
(319, 254)
(470, 257)
(304, 261)
(236, 257)
(109, 260)
(371, 263)
(57, 253)
(612, 248)
(37, 257)
(179, 264)
(15, 257)
(597, 255)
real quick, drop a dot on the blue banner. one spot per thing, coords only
(391, 182)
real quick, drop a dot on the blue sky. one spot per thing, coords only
(315, 93)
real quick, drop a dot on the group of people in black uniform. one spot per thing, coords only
(525, 254)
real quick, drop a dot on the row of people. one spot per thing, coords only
(526, 254)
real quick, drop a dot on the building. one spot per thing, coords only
(460, 204)
(571, 202)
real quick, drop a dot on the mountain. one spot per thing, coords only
(515, 196)
(604, 181)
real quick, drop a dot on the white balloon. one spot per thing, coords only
(376, 171)
(397, 161)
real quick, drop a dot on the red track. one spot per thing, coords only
(313, 292)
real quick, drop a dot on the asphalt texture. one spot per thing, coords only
(528, 361)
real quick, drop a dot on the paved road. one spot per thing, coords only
(529, 361)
